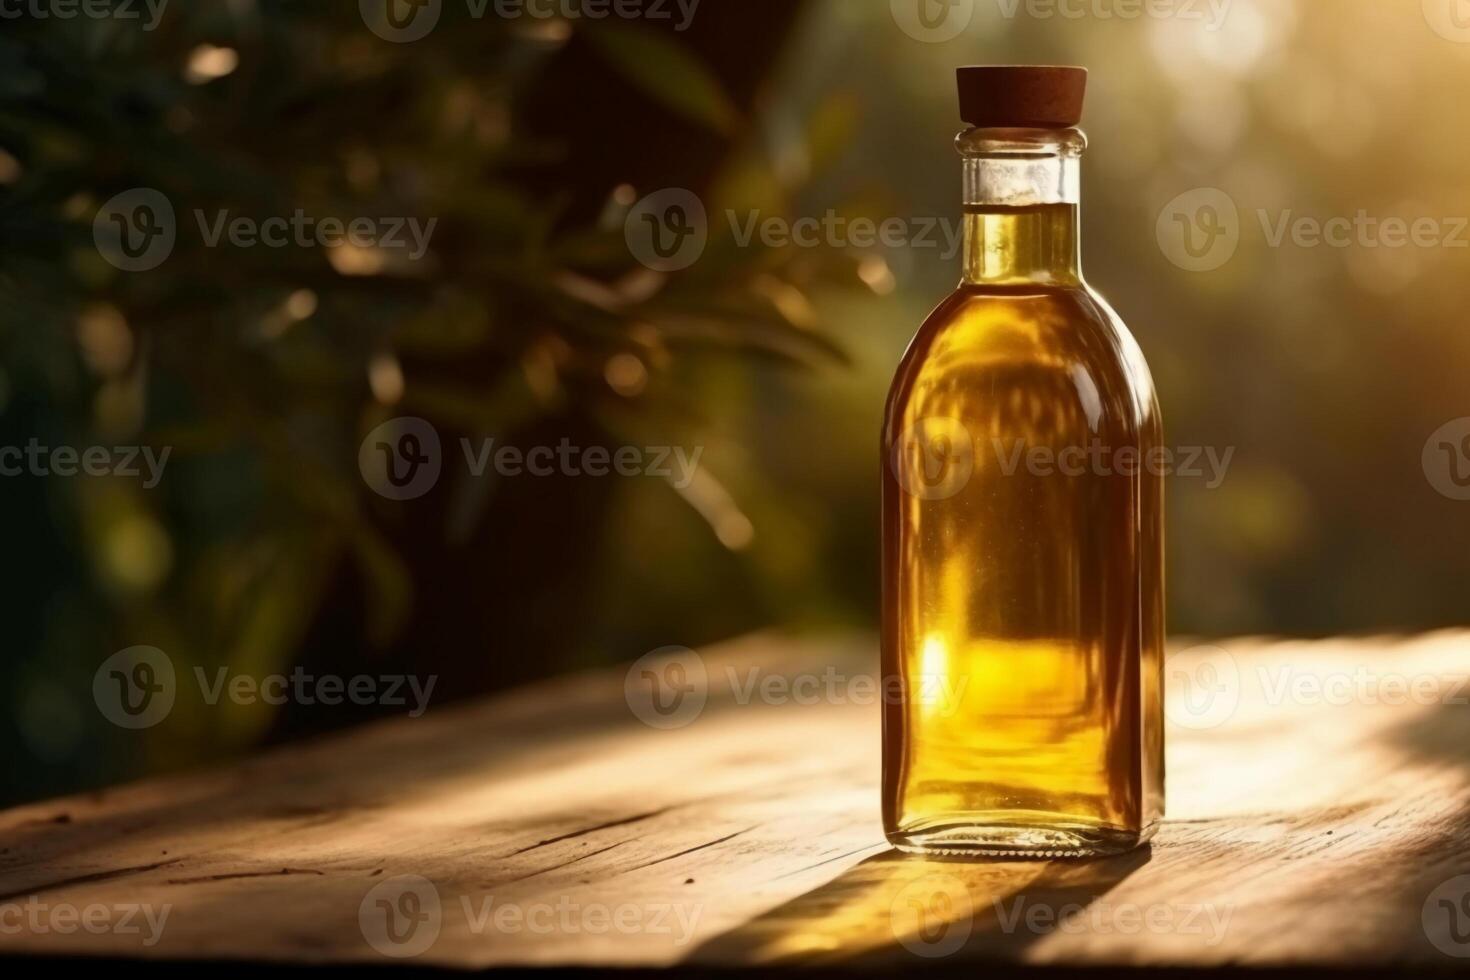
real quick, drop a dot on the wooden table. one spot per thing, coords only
(1319, 814)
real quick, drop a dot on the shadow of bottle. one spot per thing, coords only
(892, 908)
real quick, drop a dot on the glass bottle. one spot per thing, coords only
(1023, 609)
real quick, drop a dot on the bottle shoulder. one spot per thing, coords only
(1070, 307)
(1011, 341)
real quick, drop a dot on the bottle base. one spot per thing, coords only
(993, 836)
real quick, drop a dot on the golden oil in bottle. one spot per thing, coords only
(1023, 610)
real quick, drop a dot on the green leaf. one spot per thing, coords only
(667, 72)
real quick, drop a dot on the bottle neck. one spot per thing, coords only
(1021, 195)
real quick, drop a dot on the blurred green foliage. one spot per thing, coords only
(264, 368)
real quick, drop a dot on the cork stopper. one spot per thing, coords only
(1022, 96)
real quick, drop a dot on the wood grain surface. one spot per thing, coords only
(1318, 814)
